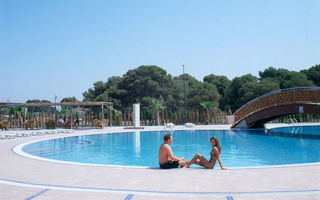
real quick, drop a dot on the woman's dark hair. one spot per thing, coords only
(166, 136)
(217, 143)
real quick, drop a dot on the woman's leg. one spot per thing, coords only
(206, 163)
(198, 163)
(202, 161)
(193, 160)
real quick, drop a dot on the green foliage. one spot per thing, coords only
(202, 92)
(196, 92)
(286, 78)
(145, 81)
(207, 105)
(240, 91)
(69, 99)
(149, 85)
(156, 105)
(64, 111)
(98, 89)
(246, 88)
(313, 74)
(11, 111)
(37, 101)
(33, 101)
(296, 79)
(15, 110)
(133, 87)
(108, 91)
(115, 111)
(37, 108)
(221, 83)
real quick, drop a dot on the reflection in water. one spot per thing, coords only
(137, 143)
(306, 132)
(58, 146)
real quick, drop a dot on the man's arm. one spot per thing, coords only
(171, 156)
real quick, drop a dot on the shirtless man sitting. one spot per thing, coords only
(166, 158)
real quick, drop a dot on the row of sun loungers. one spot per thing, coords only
(172, 126)
(27, 133)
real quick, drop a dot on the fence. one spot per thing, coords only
(149, 119)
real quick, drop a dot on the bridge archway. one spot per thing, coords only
(277, 104)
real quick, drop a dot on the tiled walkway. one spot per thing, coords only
(26, 178)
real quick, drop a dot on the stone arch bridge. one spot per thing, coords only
(277, 104)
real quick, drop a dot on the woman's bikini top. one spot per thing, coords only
(212, 155)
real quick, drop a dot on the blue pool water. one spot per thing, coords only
(240, 148)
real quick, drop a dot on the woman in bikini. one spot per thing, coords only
(214, 156)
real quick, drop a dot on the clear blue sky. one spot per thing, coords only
(61, 47)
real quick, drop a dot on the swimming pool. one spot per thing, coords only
(240, 148)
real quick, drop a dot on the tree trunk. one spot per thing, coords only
(157, 117)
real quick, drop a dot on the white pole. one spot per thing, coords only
(136, 115)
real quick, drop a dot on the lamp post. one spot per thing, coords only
(184, 92)
(55, 109)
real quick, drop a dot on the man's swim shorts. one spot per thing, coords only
(170, 164)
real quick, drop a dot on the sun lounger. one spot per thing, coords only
(27, 134)
(52, 132)
(170, 125)
(190, 125)
(11, 135)
(61, 131)
(19, 134)
(40, 132)
(34, 133)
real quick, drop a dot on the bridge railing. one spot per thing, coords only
(276, 98)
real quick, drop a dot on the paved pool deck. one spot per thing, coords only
(26, 178)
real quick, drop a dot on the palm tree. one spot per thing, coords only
(65, 109)
(208, 105)
(113, 110)
(157, 105)
(11, 112)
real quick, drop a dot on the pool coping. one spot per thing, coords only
(33, 181)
